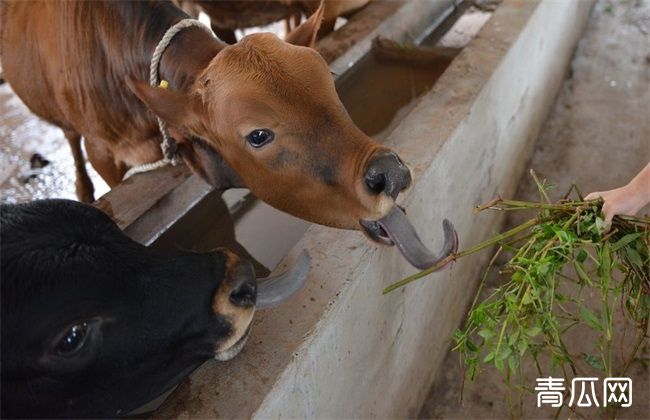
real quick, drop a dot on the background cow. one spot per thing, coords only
(94, 324)
(228, 15)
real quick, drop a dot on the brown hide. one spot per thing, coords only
(228, 15)
(78, 64)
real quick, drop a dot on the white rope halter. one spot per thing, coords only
(168, 145)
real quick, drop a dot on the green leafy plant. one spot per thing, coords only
(556, 256)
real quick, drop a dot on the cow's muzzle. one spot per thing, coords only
(245, 291)
(387, 174)
(243, 285)
(241, 293)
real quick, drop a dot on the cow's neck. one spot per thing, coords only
(189, 52)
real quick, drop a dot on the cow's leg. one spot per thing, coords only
(331, 13)
(291, 22)
(326, 28)
(287, 25)
(104, 162)
(226, 35)
(84, 186)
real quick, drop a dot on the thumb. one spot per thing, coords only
(593, 196)
(609, 215)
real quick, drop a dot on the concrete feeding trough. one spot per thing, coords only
(465, 125)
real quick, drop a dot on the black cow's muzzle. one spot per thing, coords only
(245, 291)
(240, 294)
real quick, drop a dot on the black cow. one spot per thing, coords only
(95, 324)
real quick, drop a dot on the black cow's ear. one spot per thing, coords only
(176, 108)
(305, 34)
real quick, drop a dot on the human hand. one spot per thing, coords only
(625, 200)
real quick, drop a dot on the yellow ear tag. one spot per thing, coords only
(164, 84)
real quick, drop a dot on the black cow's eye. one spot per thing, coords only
(259, 137)
(73, 340)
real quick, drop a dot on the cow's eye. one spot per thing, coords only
(260, 137)
(73, 339)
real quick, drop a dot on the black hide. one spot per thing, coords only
(146, 313)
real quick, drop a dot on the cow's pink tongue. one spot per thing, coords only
(403, 234)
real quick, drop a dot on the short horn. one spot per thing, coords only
(403, 234)
(272, 291)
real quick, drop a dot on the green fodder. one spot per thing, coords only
(557, 255)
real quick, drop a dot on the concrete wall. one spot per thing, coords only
(340, 348)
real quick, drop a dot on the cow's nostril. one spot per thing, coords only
(242, 283)
(244, 294)
(387, 174)
(376, 182)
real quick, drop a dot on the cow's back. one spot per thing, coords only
(68, 62)
(28, 41)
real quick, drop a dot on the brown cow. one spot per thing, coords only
(262, 113)
(228, 15)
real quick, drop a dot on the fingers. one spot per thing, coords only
(608, 211)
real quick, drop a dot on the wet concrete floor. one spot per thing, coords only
(22, 135)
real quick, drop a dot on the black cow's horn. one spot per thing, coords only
(274, 290)
(403, 234)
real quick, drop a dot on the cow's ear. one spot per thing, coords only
(176, 108)
(305, 34)
(209, 165)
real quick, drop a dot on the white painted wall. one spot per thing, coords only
(374, 355)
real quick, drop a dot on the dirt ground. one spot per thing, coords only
(597, 135)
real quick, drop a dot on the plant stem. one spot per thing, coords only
(531, 205)
(540, 187)
(487, 205)
(484, 278)
(642, 336)
(472, 250)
